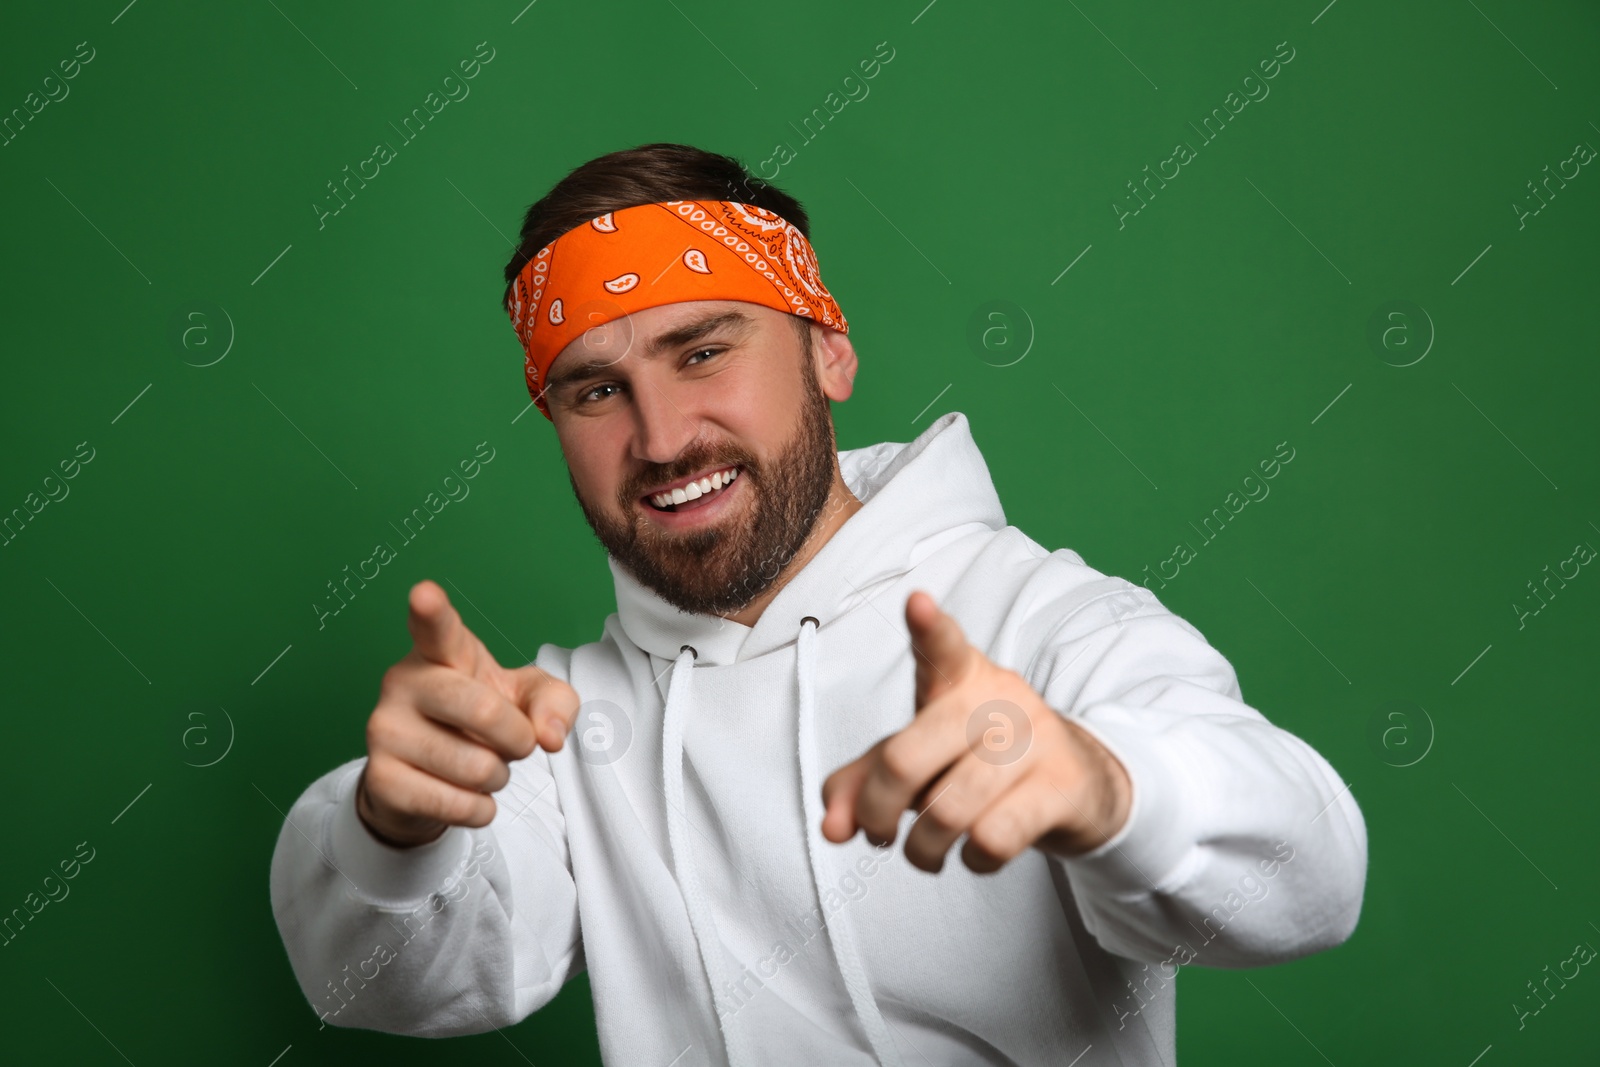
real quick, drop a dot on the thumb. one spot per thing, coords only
(437, 632)
(839, 795)
(550, 703)
(940, 648)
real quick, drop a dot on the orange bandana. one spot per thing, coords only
(654, 254)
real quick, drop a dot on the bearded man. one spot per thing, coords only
(826, 671)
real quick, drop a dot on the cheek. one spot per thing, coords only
(595, 460)
(757, 407)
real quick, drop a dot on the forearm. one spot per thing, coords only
(1242, 842)
(417, 940)
(1243, 845)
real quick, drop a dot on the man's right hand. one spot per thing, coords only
(448, 720)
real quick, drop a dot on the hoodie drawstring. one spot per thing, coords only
(840, 932)
(700, 919)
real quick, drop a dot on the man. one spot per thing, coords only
(807, 643)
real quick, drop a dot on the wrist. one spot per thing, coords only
(1101, 810)
(1118, 795)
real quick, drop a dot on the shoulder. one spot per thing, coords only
(1044, 590)
(610, 656)
(1049, 603)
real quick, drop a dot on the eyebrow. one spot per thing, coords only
(686, 334)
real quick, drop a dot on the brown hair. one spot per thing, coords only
(648, 174)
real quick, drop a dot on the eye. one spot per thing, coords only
(589, 395)
(699, 351)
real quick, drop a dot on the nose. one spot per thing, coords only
(662, 428)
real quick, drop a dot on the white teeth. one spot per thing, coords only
(695, 490)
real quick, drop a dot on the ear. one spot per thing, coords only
(835, 360)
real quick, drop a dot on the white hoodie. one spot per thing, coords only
(673, 847)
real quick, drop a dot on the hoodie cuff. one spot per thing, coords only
(383, 874)
(1145, 854)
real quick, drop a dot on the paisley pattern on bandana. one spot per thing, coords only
(653, 254)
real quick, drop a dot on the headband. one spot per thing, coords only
(653, 254)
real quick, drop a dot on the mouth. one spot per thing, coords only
(692, 494)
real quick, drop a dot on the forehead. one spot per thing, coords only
(636, 332)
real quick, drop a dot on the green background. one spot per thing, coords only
(171, 589)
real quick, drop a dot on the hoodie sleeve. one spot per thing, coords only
(473, 931)
(1243, 846)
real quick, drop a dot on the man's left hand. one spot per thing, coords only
(985, 757)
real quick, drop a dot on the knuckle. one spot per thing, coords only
(943, 818)
(456, 808)
(557, 698)
(879, 830)
(492, 707)
(380, 780)
(481, 709)
(980, 861)
(998, 834)
(381, 729)
(501, 777)
(898, 759)
(398, 678)
(482, 767)
(483, 811)
(525, 742)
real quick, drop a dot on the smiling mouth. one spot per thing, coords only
(691, 495)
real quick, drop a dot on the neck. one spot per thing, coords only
(841, 504)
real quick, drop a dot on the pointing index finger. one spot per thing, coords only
(939, 646)
(437, 632)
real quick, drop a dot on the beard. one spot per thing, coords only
(721, 569)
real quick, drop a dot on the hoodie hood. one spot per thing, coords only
(894, 530)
